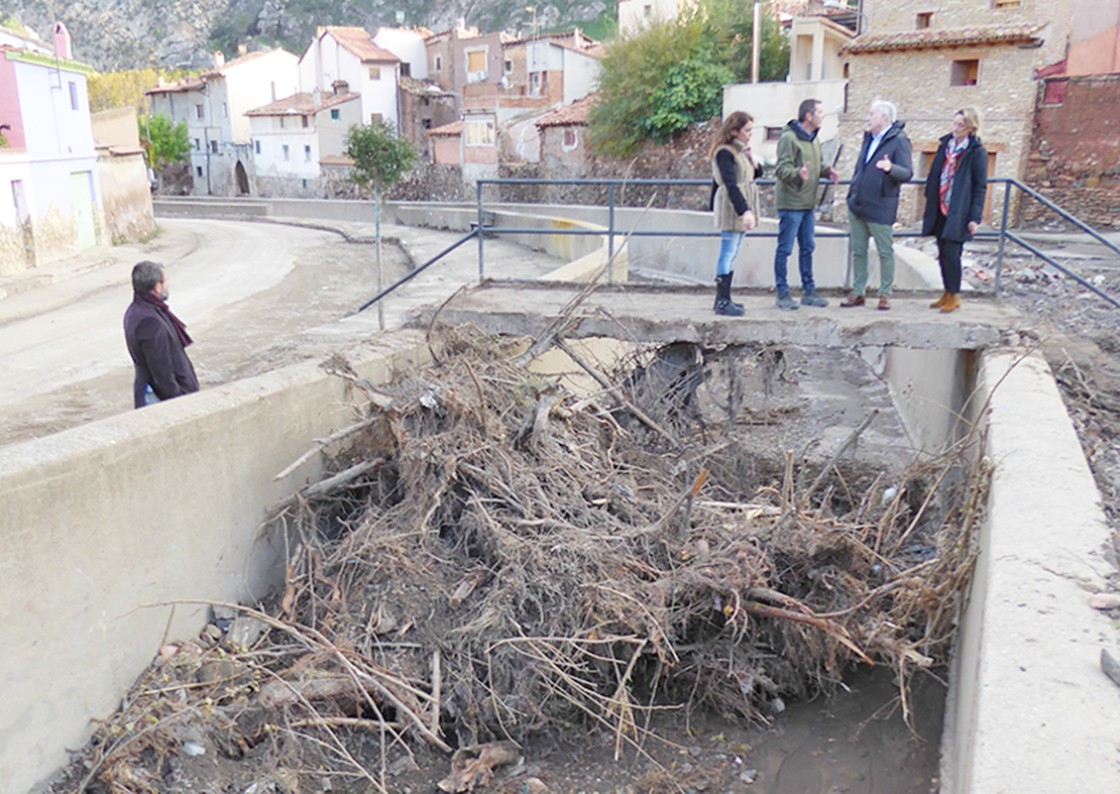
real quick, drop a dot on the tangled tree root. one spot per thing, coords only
(495, 554)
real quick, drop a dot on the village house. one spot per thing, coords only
(122, 172)
(563, 138)
(48, 164)
(816, 70)
(498, 124)
(1074, 159)
(295, 137)
(348, 55)
(214, 104)
(424, 104)
(931, 59)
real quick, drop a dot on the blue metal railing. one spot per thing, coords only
(611, 232)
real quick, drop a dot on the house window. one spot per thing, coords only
(439, 63)
(198, 170)
(335, 115)
(925, 20)
(197, 145)
(257, 147)
(478, 132)
(569, 139)
(213, 147)
(73, 96)
(1055, 92)
(476, 66)
(773, 133)
(198, 112)
(406, 70)
(426, 123)
(306, 153)
(508, 67)
(304, 181)
(375, 73)
(1007, 3)
(287, 152)
(535, 84)
(374, 118)
(964, 72)
(647, 10)
(304, 120)
(225, 110)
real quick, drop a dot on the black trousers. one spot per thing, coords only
(949, 257)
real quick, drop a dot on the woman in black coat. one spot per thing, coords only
(955, 190)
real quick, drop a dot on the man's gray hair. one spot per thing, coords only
(146, 275)
(886, 108)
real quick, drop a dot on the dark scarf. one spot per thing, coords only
(161, 305)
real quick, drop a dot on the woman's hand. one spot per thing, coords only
(748, 220)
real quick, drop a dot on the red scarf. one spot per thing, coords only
(953, 152)
(161, 305)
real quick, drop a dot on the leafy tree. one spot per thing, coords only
(656, 82)
(125, 89)
(381, 158)
(164, 143)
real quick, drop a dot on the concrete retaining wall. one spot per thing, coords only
(103, 524)
(1029, 708)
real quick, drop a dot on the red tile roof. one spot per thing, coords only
(571, 115)
(448, 130)
(301, 104)
(358, 42)
(937, 38)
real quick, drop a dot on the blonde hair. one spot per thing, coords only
(734, 122)
(971, 118)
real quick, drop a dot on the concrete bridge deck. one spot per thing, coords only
(661, 314)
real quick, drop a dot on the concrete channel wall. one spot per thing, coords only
(104, 525)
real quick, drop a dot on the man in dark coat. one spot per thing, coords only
(883, 164)
(156, 340)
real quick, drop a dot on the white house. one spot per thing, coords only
(294, 137)
(214, 104)
(50, 202)
(348, 55)
(408, 45)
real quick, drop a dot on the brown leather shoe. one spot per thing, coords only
(937, 304)
(852, 300)
(884, 303)
(952, 303)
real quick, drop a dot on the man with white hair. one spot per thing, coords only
(883, 164)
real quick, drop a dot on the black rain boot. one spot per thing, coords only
(724, 305)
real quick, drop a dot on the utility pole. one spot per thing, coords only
(756, 39)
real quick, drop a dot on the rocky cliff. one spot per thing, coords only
(120, 34)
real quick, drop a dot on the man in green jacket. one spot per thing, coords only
(798, 171)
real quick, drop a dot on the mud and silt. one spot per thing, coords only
(644, 572)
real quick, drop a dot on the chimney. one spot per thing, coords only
(316, 97)
(219, 59)
(340, 87)
(62, 47)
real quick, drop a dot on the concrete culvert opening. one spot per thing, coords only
(501, 559)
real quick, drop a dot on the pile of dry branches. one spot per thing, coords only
(495, 554)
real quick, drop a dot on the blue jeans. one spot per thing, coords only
(729, 245)
(795, 224)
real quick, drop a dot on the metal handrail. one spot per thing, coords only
(1003, 234)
